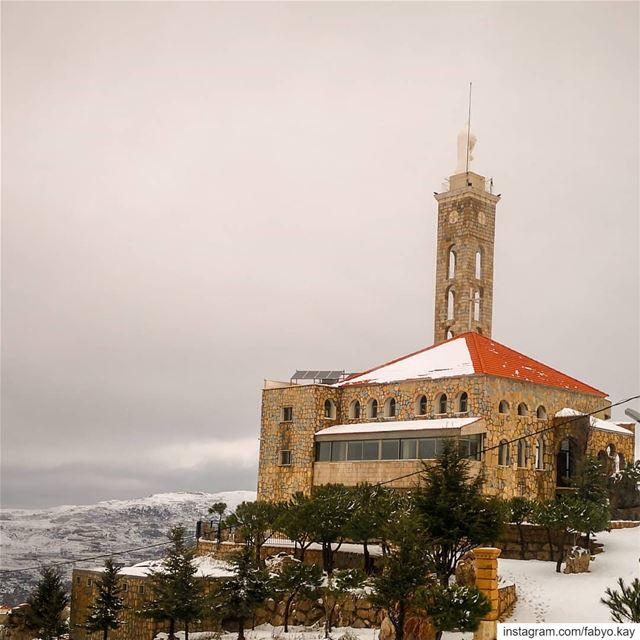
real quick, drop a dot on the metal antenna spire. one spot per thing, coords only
(469, 128)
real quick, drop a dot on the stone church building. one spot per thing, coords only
(521, 421)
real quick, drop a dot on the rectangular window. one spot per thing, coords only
(141, 589)
(427, 448)
(408, 449)
(371, 450)
(285, 458)
(125, 586)
(338, 451)
(390, 449)
(89, 582)
(323, 451)
(287, 414)
(354, 450)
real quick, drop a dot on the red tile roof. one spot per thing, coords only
(487, 357)
(495, 359)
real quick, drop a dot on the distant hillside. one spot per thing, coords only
(43, 536)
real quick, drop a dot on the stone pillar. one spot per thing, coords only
(486, 563)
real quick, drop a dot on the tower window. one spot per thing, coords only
(287, 414)
(479, 264)
(463, 402)
(477, 295)
(285, 458)
(354, 410)
(523, 410)
(373, 408)
(451, 271)
(451, 300)
(422, 406)
(442, 403)
(503, 453)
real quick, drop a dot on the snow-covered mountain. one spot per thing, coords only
(32, 537)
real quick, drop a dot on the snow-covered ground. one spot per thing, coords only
(543, 594)
(547, 596)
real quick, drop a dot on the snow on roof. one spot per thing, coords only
(469, 354)
(397, 425)
(596, 423)
(447, 360)
(206, 567)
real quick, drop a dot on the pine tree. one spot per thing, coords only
(295, 522)
(296, 580)
(624, 604)
(256, 521)
(453, 515)
(453, 608)
(104, 612)
(370, 511)
(519, 510)
(176, 594)
(238, 597)
(46, 605)
(218, 508)
(404, 570)
(332, 507)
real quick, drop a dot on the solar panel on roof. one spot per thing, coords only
(311, 375)
(298, 374)
(323, 374)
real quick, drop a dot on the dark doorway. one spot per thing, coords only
(566, 462)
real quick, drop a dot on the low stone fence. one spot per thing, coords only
(507, 597)
(624, 524)
(343, 559)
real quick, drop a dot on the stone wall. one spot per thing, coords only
(84, 591)
(507, 597)
(466, 222)
(278, 482)
(343, 559)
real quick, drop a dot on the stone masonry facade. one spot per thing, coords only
(466, 227)
(278, 481)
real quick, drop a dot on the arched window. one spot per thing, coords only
(611, 450)
(522, 454)
(449, 334)
(503, 407)
(421, 406)
(463, 402)
(541, 413)
(622, 462)
(523, 410)
(354, 410)
(372, 408)
(442, 403)
(540, 453)
(451, 301)
(477, 296)
(329, 409)
(503, 453)
(451, 269)
(390, 408)
(479, 264)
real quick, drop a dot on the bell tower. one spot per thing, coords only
(464, 267)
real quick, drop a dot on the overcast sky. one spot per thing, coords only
(200, 196)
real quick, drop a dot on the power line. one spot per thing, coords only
(528, 435)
